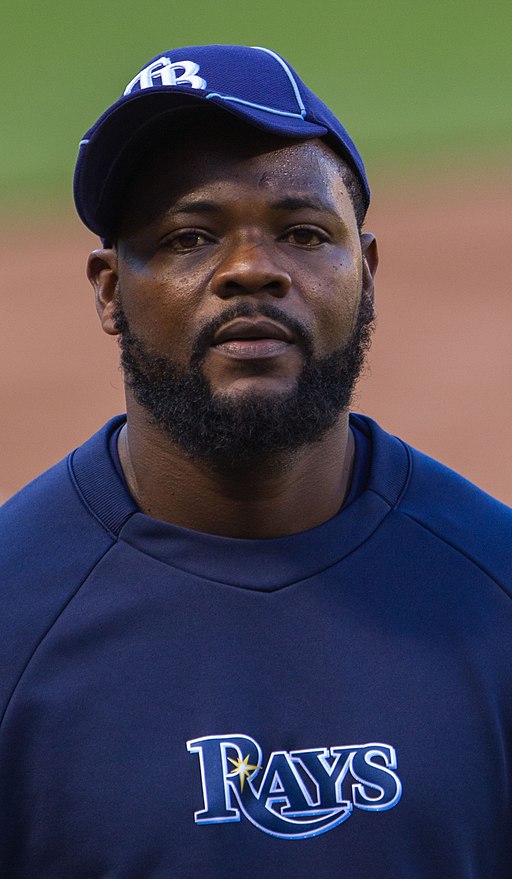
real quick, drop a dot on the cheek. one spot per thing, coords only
(337, 302)
(158, 312)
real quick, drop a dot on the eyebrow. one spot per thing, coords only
(288, 203)
(297, 203)
(194, 207)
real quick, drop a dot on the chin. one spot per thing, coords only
(257, 389)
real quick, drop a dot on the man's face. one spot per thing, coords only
(240, 266)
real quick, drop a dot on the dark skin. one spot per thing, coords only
(262, 221)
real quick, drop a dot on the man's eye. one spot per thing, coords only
(188, 240)
(304, 236)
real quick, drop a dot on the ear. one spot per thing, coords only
(102, 273)
(370, 261)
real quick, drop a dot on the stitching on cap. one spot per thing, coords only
(255, 106)
(289, 74)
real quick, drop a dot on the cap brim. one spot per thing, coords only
(106, 148)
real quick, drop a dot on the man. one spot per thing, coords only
(243, 634)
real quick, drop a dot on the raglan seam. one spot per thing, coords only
(460, 551)
(393, 504)
(47, 632)
(442, 537)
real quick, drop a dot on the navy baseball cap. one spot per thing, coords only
(252, 83)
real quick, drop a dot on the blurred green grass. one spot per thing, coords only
(417, 83)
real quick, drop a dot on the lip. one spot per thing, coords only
(246, 330)
(252, 349)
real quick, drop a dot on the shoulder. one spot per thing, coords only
(449, 506)
(51, 512)
(459, 512)
(50, 541)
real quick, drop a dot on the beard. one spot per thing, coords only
(240, 432)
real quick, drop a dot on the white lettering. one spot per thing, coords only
(162, 72)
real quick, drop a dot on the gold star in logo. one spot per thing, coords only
(243, 769)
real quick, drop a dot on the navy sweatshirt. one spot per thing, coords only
(177, 705)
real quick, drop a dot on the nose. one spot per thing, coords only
(250, 268)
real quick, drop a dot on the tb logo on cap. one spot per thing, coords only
(162, 72)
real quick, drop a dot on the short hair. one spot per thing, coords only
(356, 192)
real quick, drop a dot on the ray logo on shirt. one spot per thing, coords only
(294, 794)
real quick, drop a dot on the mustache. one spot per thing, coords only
(204, 338)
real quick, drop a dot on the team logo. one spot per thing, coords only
(162, 72)
(295, 794)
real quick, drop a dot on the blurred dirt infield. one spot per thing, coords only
(440, 371)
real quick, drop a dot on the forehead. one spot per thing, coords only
(226, 163)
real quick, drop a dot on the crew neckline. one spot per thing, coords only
(358, 479)
(260, 564)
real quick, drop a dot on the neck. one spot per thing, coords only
(275, 498)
